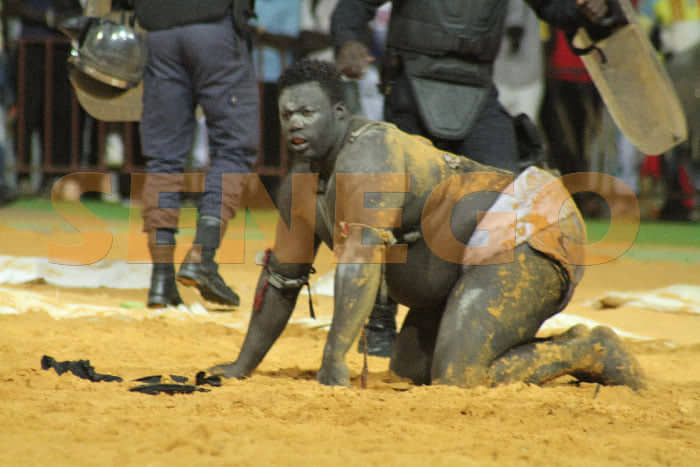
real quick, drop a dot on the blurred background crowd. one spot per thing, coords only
(45, 134)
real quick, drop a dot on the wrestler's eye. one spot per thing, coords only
(286, 115)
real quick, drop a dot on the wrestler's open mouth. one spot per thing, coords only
(298, 143)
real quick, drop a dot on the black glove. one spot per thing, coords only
(603, 17)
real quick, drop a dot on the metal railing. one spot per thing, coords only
(77, 159)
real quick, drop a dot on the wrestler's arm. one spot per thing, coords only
(356, 287)
(289, 261)
(358, 273)
(269, 317)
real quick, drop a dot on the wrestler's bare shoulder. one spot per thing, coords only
(366, 151)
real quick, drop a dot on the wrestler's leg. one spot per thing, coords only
(491, 309)
(594, 356)
(412, 356)
(487, 332)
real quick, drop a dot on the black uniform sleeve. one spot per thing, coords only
(350, 18)
(563, 14)
(123, 4)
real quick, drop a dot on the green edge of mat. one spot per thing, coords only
(657, 233)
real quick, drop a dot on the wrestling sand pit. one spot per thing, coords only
(281, 415)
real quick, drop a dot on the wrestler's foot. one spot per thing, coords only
(612, 363)
(210, 284)
(225, 370)
(576, 331)
(163, 291)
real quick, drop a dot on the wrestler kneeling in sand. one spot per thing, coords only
(479, 256)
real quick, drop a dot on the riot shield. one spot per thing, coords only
(634, 85)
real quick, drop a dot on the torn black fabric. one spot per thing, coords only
(155, 379)
(154, 389)
(154, 385)
(80, 368)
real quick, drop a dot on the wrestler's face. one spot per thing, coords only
(309, 121)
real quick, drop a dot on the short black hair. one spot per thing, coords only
(308, 70)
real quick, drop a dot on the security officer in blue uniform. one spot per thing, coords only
(198, 53)
(437, 75)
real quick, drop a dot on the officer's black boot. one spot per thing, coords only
(202, 271)
(380, 330)
(163, 291)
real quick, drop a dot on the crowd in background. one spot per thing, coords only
(536, 74)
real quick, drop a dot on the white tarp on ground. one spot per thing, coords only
(112, 274)
(681, 297)
(563, 321)
(16, 301)
(123, 275)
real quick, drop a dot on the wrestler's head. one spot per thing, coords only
(312, 109)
